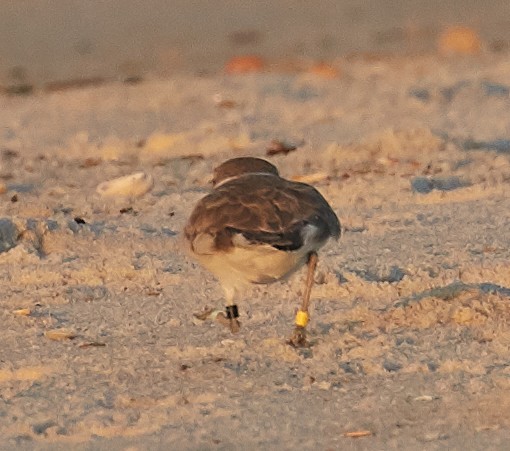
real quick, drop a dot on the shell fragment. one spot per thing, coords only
(132, 185)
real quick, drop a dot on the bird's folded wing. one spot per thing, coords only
(275, 213)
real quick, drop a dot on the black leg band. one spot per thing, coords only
(232, 311)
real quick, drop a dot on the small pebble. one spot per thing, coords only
(392, 367)
(459, 40)
(22, 312)
(422, 94)
(244, 64)
(325, 70)
(424, 398)
(60, 334)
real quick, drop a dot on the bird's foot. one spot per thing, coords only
(207, 313)
(298, 339)
(235, 325)
(232, 323)
(227, 319)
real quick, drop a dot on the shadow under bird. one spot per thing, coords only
(256, 227)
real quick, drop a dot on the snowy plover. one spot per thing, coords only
(256, 228)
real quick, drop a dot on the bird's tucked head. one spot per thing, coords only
(237, 167)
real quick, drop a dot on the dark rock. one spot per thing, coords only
(40, 428)
(450, 92)
(395, 275)
(495, 89)
(432, 366)
(391, 366)
(8, 235)
(168, 232)
(425, 185)
(21, 187)
(499, 145)
(86, 293)
(352, 368)
(422, 94)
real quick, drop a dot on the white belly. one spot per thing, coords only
(247, 263)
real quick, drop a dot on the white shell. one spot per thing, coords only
(132, 185)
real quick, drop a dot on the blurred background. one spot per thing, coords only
(47, 41)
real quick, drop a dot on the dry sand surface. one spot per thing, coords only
(410, 320)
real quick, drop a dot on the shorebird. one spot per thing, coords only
(256, 227)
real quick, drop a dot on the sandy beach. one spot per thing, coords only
(410, 338)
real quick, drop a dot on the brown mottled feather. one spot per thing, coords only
(264, 209)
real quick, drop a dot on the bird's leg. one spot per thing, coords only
(298, 339)
(232, 314)
(229, 318)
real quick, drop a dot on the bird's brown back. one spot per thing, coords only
(264, 209)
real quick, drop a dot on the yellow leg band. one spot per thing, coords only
(301, 318)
